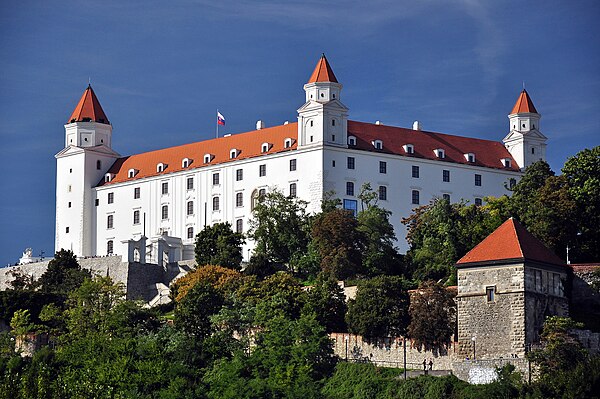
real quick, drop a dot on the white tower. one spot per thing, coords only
(524, 141)
(323, 119)
(80, 166)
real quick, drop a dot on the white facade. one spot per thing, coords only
(103, 206)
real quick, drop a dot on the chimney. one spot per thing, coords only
(260, 125)
(378, 123)
(417, 125)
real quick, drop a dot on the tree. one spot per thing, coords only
(582, 172)
(380, 308)
(219, 245)
(63, 274)
(220, 278)
(280, 227)
(327, 301)
(192, 314)
(432, 313)
(379, 255)
(336, 238)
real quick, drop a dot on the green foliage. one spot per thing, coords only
(582, 172)
(280, 227)
(63, 274)
(193, 313)
(380, 308)
(219, 245)
(432, 316)
(21, 324)
(327, 301)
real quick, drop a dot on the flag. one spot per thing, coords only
(220, 119)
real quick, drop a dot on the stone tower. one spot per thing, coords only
(80, 166)
(507, 285)
(524, 141)
(323, 119)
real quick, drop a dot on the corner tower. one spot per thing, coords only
(80, 166)
(524, 141)
(323, 119)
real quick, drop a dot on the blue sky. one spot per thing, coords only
(160, 70)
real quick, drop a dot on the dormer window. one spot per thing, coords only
(108, 177)
(186, 162)
(161, 167)
(132, 172)
(440, 153)
(470, 157)
(233, 153)
(506, 162)
(208, 158)
(351, 140)
(265, 147)
(287, 143)
(378, 144)
(409, 148)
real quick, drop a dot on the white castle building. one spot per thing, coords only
(148, 207)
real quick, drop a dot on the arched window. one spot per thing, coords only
(215, 203)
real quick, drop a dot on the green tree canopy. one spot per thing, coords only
(327, 301)
(219, 245)
(380, 308)
(63, 274)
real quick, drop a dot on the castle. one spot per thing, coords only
(148, 207)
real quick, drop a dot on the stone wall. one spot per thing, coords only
(498, 326)
(389, 352)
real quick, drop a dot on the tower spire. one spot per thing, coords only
(88, 109)
(322, 72)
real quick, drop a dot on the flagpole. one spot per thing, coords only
(217, 123)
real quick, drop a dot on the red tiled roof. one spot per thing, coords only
(487, 153)
(88, 109)
(524, 104)
(322, 72)
(584, 267)
(510, 241)
(248, 145)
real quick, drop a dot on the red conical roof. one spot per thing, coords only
(322, 72)
(89, 109)
(510, 241)
(524, 104)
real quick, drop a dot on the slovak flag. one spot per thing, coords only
(220, 119)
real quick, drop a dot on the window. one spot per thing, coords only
(131, 173)
(333, 122)
(333, 137)
(311, 124)
(186, 162)
(165, 188)
(446, 197)
(415, 197)
(478, 202)
(351, 140)
(98, 164)
(506, 162)
(533, 150)
(190, 232)
(350, 162)
(67, 230)
(190, 183)
(161, 167)
(233, 153)
(239, 199)
(538, 280)
(239, 225)
(165, 212)
(239, 174)
(292, 190)
(378, 144)
(97, 202)
(349, 188)
(265, 147)
(470, 157)
(215, 204)
(333, 163)
(490, 293)
(136, 193)
(262, 192)
(288, 143)
(383, 193)
(292, 165)
(111, 198)
(512, 183)
(351, 205)
(69, 188)
(136, 217)
(415, 171)
(215, 178)
(446, 175)
(190, 208)
(69, 204)
(382, 167)
(71, 170)
(208, 158)
(440, 153)
(262, 170)
(409, 148)
(109, 247)
(477, 179)
(109, 221)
